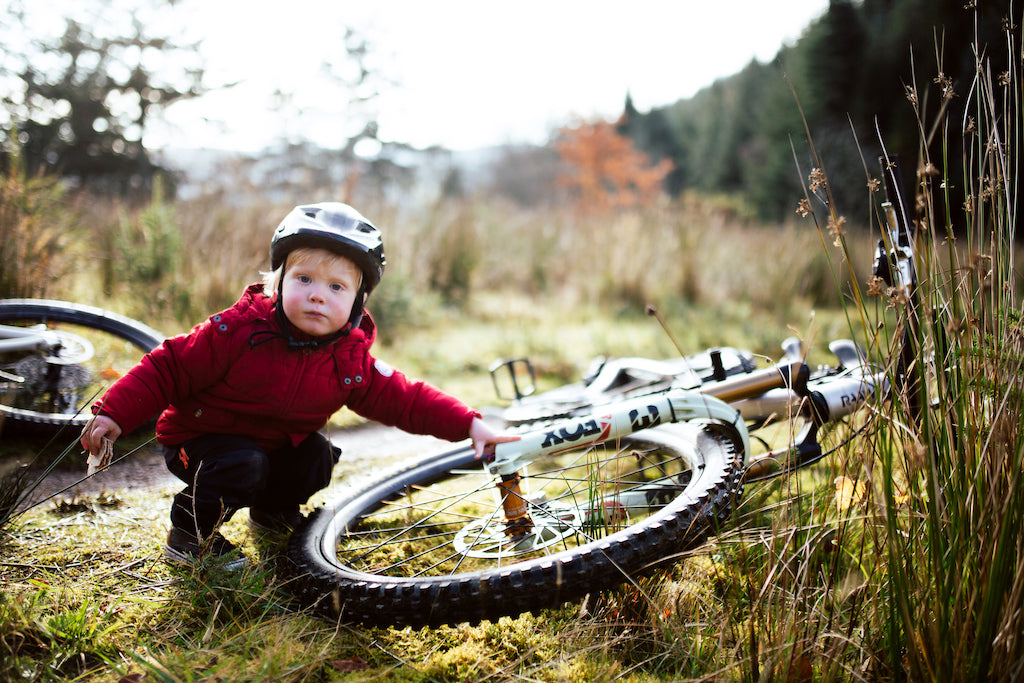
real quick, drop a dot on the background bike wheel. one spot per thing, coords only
(54, 395)
(426, 545)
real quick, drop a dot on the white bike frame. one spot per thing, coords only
(61, 348)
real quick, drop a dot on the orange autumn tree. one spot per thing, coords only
(605, 170)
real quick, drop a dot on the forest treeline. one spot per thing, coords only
(866, 72)
(856, 75)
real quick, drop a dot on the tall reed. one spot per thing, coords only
(943, 506)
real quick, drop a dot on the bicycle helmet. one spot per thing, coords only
(335, 227)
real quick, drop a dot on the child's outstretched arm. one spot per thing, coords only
(484, 438)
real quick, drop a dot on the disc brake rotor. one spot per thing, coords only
(487, 538)
(73, 349)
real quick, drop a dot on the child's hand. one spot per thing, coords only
(96, 430)
(484, 438)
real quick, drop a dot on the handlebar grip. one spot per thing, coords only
(841, 396)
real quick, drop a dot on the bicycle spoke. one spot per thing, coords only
(577, 498)
(400, 532)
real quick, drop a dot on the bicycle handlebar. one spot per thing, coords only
(761, 394)
(841, 395)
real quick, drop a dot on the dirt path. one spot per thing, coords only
(363, 448)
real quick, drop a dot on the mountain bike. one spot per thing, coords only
(579, 504)
(608, 381)
(55, 358)
(600, 490)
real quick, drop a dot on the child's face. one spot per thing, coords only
(318, 292)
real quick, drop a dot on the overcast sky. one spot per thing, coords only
(466, 73)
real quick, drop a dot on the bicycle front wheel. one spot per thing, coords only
(44, 392)
(429, 544)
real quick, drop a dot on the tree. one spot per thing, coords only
(654, 134)
(526, 174)
(853, 71)
(328, 133)
(78, 102)
(606, 170)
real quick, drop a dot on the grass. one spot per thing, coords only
(799, 585)
(86, 595)
(89, 598)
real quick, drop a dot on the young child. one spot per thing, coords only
(242, 397)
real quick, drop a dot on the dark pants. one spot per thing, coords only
(224, 473)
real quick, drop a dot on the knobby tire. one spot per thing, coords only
(371, 594)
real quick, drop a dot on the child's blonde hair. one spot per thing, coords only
(302, 255)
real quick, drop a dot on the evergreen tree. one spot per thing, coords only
(852, 73)
(79, 102)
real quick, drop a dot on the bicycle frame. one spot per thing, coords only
(60, 348)
(733, 401)
(618, 420)
(40, 339)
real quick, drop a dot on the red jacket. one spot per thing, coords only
(213, 380)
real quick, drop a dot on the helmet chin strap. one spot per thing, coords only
(356, 317)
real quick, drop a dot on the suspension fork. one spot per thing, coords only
(612, 422)
(518, 522)
(895, 265)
